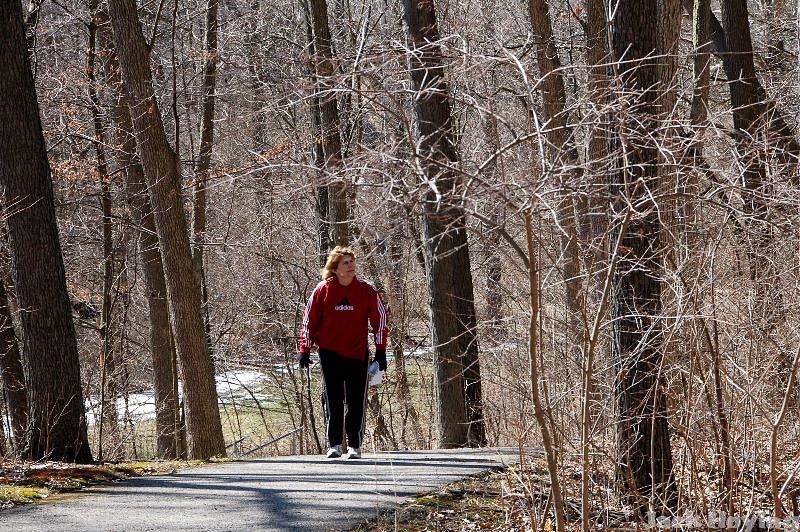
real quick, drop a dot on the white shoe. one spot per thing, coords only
(354, 452)
(335, 451)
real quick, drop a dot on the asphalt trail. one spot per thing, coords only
(282, 493)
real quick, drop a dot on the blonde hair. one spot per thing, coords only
(335, 256)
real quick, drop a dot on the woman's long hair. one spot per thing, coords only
(335, 256)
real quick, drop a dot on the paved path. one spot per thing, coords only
(283, 493)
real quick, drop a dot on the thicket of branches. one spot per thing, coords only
(620, 179)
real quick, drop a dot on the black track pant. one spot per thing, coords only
(344, 396)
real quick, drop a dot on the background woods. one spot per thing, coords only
(583, 217)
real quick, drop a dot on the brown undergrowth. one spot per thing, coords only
(512, 499)
(26, 482)
(516, 499)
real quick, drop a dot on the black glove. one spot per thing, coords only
(380, 358)
(304, 359)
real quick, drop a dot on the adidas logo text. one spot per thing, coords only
(344, 307)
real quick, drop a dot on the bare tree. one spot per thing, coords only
(203, 169)
(447, 261)
(644, 454)
(11, 371)
(160, 166)
(108, 382)
(330, 139)
(563, 160)
(56, 418)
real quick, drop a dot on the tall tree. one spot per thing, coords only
(749, 120)
(56, 417)
(782, 135)
(108, 392)
(494, 172)
(562, 154)
(168, 426)
(160, 166)
(317, 151)
(203, 168)
(644, 454)
(447, 261)
(330, 136)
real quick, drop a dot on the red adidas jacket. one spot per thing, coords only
(336, 318)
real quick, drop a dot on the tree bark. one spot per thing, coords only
(701, 42)
(203, 169)
(108, 390)
(337, 189)
(447, 261)
(644, 453)
(168, 428)
(317, 151)
(160, 166)
(56, 416)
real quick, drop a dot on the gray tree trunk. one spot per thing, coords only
(160, 166)
(56, 415)
(447, 261)
(337, 190)
(644, 453)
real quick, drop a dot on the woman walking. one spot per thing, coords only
(336, 320)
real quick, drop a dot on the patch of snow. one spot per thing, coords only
(231, 386)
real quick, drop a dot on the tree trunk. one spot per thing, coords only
(782, 136)
(16, 397)
(750, 125)
(563, 154)
(644, 453)
(337, 190)
(203, 169)
(490, 236)
(672, 181)
(108, 390)
(447, 261)
(56, 415)
(317, 151)
(161, 348)
(597, 57)
(160, 166)
(701, 72)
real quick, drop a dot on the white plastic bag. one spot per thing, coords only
(375, 374)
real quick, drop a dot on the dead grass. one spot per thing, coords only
(508, 500)
(516, 499)
(26, 482)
